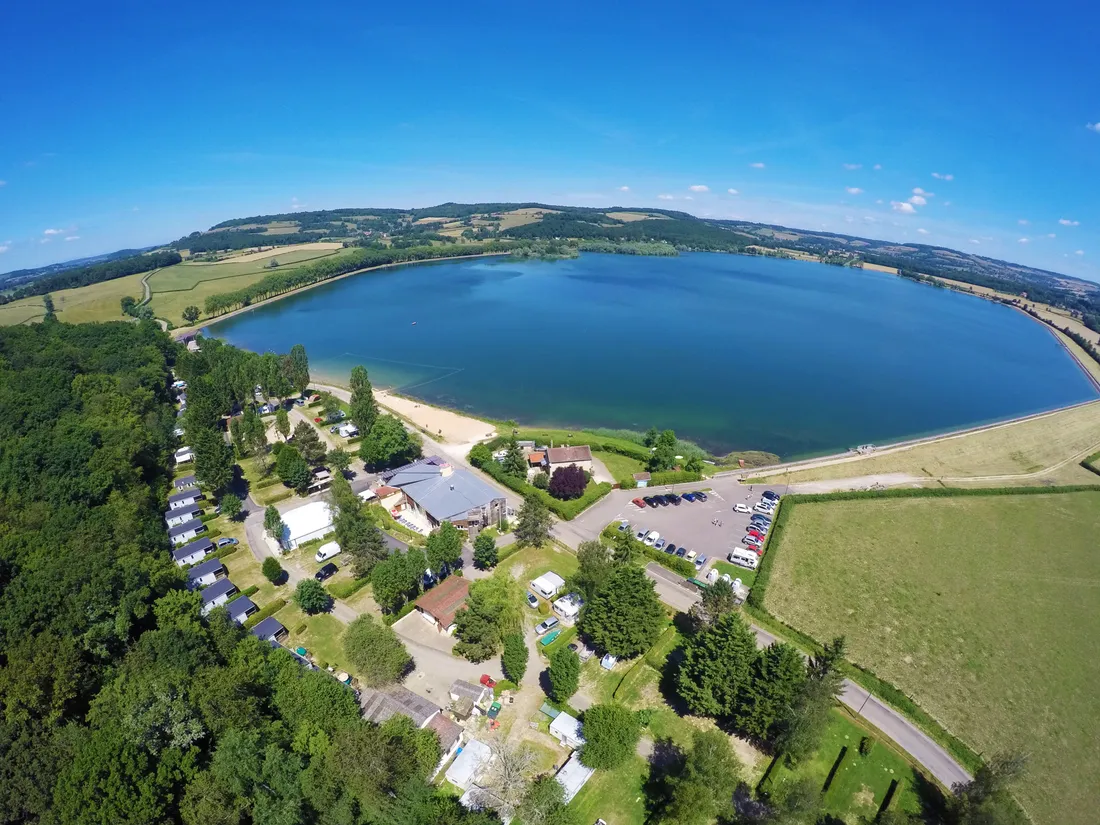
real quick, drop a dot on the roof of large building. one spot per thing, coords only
(203, 568)
(568, 455)
(309, 518)
(179, 529)
(268, 628)
(382, 704)
(445, 599)
(186, 510)
(567, 726)
(222, 587)
(197, 546)
(446, 493)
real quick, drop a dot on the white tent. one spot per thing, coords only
(305, 523)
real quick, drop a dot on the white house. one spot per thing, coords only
(191, 553)
(564, 456)
(241, 608)
(184, 498)
(547, 585)
(567, 730)
(572, 776)
(568, 607)
(183, 533)
(205, 573)
(305, 523)
(469, 764)
(182, 514)
(184, 454)
(217, 594)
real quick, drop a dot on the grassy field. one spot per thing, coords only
(21, 311)
(983, 609)
(97, 302)
(531, 562)
(1023, 448)
(860, 783)
(621, 467)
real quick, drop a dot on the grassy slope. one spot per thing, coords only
(984, 610)
(1024, 447)
(21, 311)
(621, 467)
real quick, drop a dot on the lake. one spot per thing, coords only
(731, 351)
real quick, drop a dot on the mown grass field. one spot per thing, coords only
(96, 302)
(21, 311)
(621, 467)
(1024, 448)
(984, 609)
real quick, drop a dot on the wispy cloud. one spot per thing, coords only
(1051, 235)
(851, 167)
(699, 187)
(923, 231)
(624, 188)
(975, 241)
(1078, 252)
(5, 246)
(665, 198)
(1022, 221)
(732, 192)
(3, 183)
(757, 165)
(73, 238)
(942, 176)
(918, 200)
(919, 191)
(54, 232)
(1095, 127)
(688, 198)
(1068, 222)
(877, 167)
(1024, 240)
(904, 208)
(853, 190)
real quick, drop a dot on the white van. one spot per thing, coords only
(744, 558)
(327, 551)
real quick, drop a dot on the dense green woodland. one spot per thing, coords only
(119, 703)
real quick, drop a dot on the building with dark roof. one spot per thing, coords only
(217, 594)
(182, 514)
(183, 482)
(440, 604)
(565, 456)
(270, 630)
(184, 498)
(435, 491)
(241, 608)
(380, 705)
(204, 573)
(183, 533)
(191, 553)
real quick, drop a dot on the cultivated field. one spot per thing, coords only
(96, 302)
(984, 609)
(280, 251)
(630, 217)
(1039, 450)
(21, 311)
(518, 217)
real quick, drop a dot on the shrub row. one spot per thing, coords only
(348, 587)
(674, 563)
(267, 482)
(566, 510)
(674, 477)
(264, 612)
(579, 439)
(1092, 463)
(390, 618)
(227, 551)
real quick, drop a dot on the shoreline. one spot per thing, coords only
(180, 332)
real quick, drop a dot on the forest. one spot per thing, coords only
(84, 275)
(122, 703)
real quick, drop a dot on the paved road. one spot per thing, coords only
(675, 592)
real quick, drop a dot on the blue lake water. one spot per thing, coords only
(731, 351)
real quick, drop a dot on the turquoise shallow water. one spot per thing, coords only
(731, 351)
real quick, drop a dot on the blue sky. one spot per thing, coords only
(959, 124)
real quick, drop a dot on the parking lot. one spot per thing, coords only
(691, 524)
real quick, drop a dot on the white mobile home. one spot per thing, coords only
(547, 585)
(192, 553)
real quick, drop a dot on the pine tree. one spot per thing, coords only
(364, 410)
(515, 464)
(565, 674)
(533, 523)
(624, 618)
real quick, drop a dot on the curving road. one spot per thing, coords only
(674, 591)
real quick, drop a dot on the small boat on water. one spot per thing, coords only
(414, 323)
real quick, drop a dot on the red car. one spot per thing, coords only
(316, 420)
(638, 503)
(756, 534)
(487, 680)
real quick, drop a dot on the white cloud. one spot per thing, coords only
(1093, 126)
(1022, 221)
(54, 232)
(699, 187)
(941, 176)
(665, 198)
(849, 219)
(917, 200)
(73, 238)
(853, 190)
(947, 203)
(135, 209)
(1051, 235)
(732, 192)
(975, 241)
(923, 231)
(904, 208)
(44, 240)
(851, 167)
(1024, 240)
(1068, 222)
(5, 246)
(919, 191)
(757, 165)
(3, 183)
(688, 198)
(880, 201)
(1079, 252)
(877, 167)
(624, 188)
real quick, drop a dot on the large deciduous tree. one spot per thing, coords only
(565, 674)
(444, 548)
(296, 368)
(312, 597)
(485, 551)
(611, 734)
(513, 660)
(664, 453)
(595, 567)
(702, 791)
(213, 459)
(716, 670)
(624, 618)
(375, 652)
(293, 469)
(567, 483)
(492, 611)
(801, 730)
(388, 444)
(364, 410)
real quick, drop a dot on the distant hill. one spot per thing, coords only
(22, 276)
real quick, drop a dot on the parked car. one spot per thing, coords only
(768, 495)
(752, 541)
(316, 420)
(760, 517)
(670, 548)
(673, 498)
(662, 500)
(688, 496)
(651, 537)
(488, 681)
(640, 535)
(700, 562)
(700, 496)
(326, 572)
(327, 551)
(682, 552)
(741, 508)
(639, 503)
(763, 508)
(624, 526)
(532, 601)
(657, 545)
(756, 534)
(226, 542)
(651, 501)
(334, 428)
(546, 626)
(690, 555)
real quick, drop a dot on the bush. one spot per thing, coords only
(541, 481)
(375, 652)
(250, 591)
(311, 597)
(348, 587)
(272, 570)
(866, 746)
(264, 612)
(566, 510)
(674, 477)
(302, 628)
(514, 658)
(390, 618)
(611, 734)
(568, 483)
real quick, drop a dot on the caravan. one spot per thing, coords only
(744, 558)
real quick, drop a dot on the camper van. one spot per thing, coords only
(327, 551)
(744, 558)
